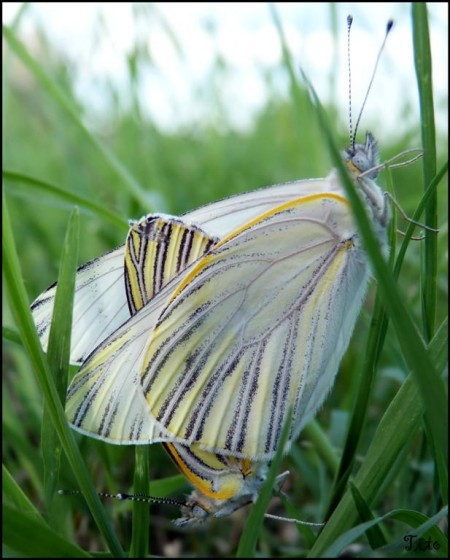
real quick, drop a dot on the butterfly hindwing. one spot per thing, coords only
(105, 398)
(156, 250)
(250, 328)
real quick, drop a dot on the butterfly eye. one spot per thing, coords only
(199, 512)
(192, 514)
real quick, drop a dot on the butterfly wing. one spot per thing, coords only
(156, 250)
(105, 399)
(100, 302)
(258, 325)
(99, 307)
(223, 217)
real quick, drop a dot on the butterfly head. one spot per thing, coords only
(202, 506)
(362, 158)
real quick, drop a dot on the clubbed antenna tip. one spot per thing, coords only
(353, 133)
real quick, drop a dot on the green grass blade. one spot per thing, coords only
(166, 486)
(58, 353)
(11, 335)
(26, 454)
(412, 344)
(374, 534)
(347, 538)
(13, 494)
(407, 516)
(315, 434)
(22, 316)
(423, 526)
(253, 526)
(31, 537)
(399, 423)
(377, 334)
(125, 179)
(425, 200)
(68, 198)
(423, 66)
(58, 356)
(141, 515)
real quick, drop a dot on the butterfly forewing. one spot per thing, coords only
(258, 325)
(157, 249)
(105, 399)
(99, 308)
(100, 303)
(223, 217)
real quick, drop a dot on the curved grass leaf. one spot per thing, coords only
(401, 420)
(22, 316)
(145, 198)
(58, 356)
(374, 534)
(422, 60)
(141, 515)
(423, 526)
(252, 529)
(66, 197)
(31, 537)
(13, 494)
(11, 335)
(166, 486)
(402, 515)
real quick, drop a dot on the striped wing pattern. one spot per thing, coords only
(157, 249)
(217, 476)
(259, 324)
(105, 398)
(100, 305)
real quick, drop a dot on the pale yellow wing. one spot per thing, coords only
(258, 325)
(105, 398)
(224, 216)
(100, 305)
(156, 250)
(100, 302)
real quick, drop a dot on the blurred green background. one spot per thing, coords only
(129, 164)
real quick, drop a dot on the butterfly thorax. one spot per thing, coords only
(363, 162)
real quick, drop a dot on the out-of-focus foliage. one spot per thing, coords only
(181, 170)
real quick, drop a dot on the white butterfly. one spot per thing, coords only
(227, 317)
(204, 331)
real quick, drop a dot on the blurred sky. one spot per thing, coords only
(95, 39)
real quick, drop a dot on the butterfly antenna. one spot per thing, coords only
(292, 520)
(121, 496)
(389, 26)
(350, 124)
